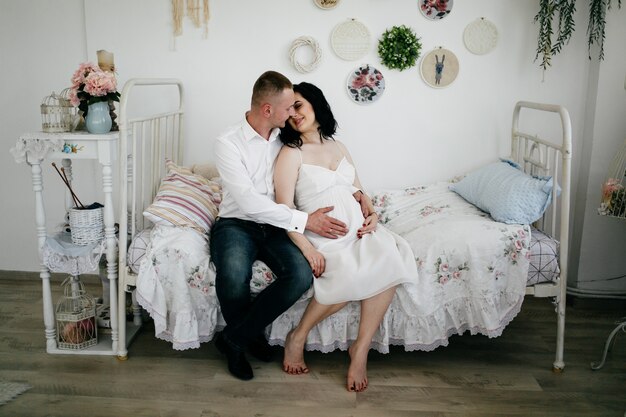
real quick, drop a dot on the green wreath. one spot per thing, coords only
(399, 48)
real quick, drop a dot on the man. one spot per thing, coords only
(252, 226)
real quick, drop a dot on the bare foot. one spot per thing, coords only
(293, 362)
(357, 372)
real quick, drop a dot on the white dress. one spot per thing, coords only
(356, 269)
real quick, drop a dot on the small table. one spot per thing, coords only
(34, 148)
(621, 325)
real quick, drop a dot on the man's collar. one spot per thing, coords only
(249, 133)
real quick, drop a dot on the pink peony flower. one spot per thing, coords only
(90, 85)
(611, 185)
(73, 96)
(100, 83)
(360, 82)
(444, 267)
(441, 5)
(82, 72)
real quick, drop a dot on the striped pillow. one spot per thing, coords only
(185, 199)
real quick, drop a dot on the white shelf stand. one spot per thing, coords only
(34, 148)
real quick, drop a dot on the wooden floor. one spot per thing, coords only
(473, 376)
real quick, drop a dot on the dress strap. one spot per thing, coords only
(340, 149)
(300, 153)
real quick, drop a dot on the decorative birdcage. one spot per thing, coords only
(56, 114)
(75, 117)
(614, 187)
(76, 317)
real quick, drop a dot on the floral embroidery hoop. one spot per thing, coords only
(326, 4)
(365, 84)
(350, 40)
(300, 42)
(480, 36)
(435, 9)
(439, 68)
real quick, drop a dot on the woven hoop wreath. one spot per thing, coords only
(305, 41)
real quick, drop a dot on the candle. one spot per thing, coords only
(105, 60)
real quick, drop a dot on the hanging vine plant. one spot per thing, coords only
(597, 23)
(399, 48)
(564, 10)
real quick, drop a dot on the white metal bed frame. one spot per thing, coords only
(542, 157)
(145, 142)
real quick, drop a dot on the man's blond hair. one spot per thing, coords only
(270, 83)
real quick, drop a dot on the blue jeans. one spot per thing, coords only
(235, 245)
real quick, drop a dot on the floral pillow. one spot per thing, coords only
(185, 199)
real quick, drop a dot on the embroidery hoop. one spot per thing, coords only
(435, 15)
(480, 36)
(326, 4)
(301, 42)
(350, 40)
(451, 64)
(379, 90)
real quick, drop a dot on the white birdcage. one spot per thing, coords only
(614, 187)
(56, 114)
(74, 116)
(76, 317)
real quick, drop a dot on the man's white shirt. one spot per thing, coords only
(245, 161)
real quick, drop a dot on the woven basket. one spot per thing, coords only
(86, 225)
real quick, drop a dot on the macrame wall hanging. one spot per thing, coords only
(196, 10)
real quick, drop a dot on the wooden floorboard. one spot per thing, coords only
(472, 376)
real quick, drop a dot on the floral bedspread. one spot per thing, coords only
(472, 276)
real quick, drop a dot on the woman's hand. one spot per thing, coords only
(317, 262)
(365, 202)
(369, 225)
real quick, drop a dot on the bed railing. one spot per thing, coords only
(539, 156)
(143, 140)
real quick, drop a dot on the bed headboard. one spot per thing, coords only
(539, 156)
(145, 142)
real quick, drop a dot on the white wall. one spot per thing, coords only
(602, 240)
(413, 134)
(41, 43)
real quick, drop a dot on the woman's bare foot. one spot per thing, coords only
(357, 372)
(293, 361)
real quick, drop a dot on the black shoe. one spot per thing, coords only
(238, 365)
(260, 349)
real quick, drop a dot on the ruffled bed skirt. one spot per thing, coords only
(471, 278)
(183, 304)
(402, 324)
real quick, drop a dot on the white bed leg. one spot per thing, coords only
(559, 364)
(122, 352)
(136, 309)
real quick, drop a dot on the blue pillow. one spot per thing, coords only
(505, 192)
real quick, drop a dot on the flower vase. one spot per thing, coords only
(98, 119)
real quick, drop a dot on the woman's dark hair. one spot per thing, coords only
(323, 115)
